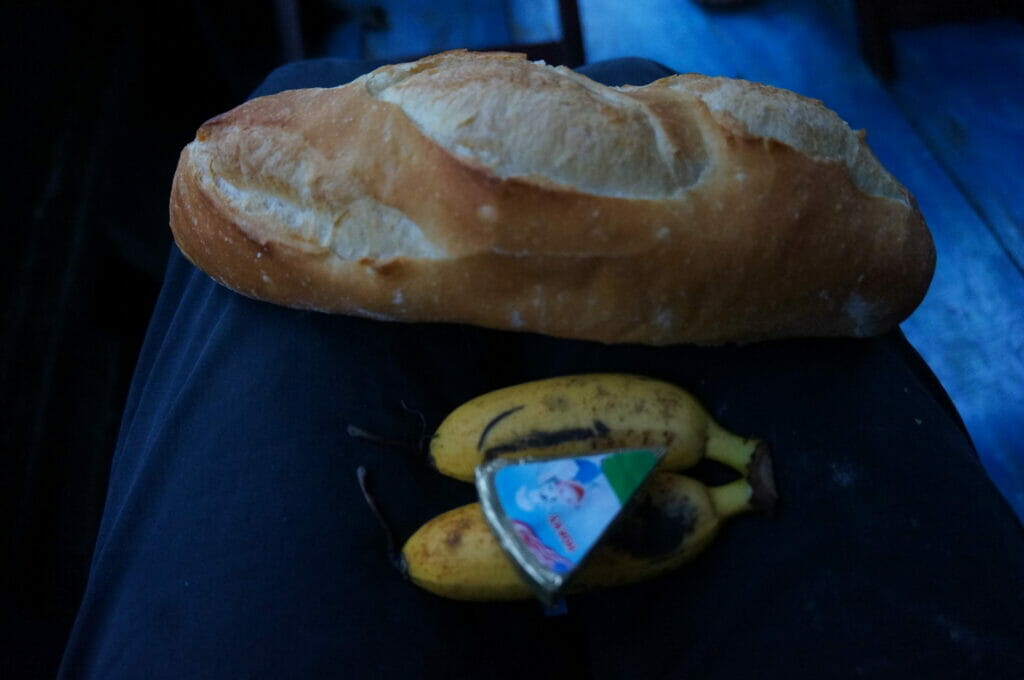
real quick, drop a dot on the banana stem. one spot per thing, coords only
(732, 498)
(762, 480)
(753, 492)
(727, 448)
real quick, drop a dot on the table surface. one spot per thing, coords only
(950, 127)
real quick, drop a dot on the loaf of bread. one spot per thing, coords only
(490, 190)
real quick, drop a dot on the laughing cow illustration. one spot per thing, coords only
(560, 484)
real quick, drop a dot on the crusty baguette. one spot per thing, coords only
(490, 190)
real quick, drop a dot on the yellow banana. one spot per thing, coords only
(455, 555)
(573, 414)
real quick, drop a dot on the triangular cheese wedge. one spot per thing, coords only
(549, 513)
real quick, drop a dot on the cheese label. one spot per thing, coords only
(550, 513)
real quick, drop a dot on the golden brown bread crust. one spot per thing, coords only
(489, 190)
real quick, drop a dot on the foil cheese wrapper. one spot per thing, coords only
(549, 513)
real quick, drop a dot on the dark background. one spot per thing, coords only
(99, 100)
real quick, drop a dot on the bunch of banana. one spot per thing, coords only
(574, 414)
(456, 555)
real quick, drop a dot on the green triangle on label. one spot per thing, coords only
(628, 470)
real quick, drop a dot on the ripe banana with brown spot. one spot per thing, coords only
(577, 413)
(456, 555)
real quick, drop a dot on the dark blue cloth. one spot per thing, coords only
(236, 542)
